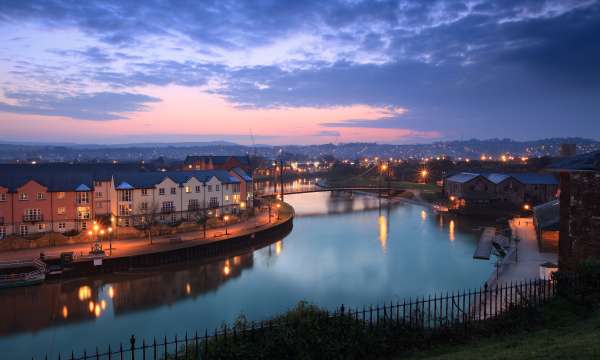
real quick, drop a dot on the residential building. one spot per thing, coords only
(66, 198)
(213, 162)
(509, 190)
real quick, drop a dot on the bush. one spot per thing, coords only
(71, 233)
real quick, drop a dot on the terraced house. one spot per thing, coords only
(68, 198)
(467, 189)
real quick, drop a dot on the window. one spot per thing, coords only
(161, 191)
(144, 206)
(97, 183)
(62, 226)
(126, 195)
(61, 210)
(60, 195)
(217, 187)
(209, 188)
(2, 232)
(33, 215)
(83, 197)
(23, 230)
(84, 225)
(213, 202)
(167, 207)
(236, 188)
(3, 196)
(197, 188)
(22, 196)
(227, 187)
(40, 196)
(193, 204)
(226, 197)
(83, 213)
(124, 209)
(188, 189)
(173, 191)
(41, 227)
(99, 194)
(144, 192)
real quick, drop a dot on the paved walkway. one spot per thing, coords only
(525, 262)
(129, 247)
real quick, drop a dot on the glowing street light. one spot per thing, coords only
(226, 219)
(278, 210)
(526, 207)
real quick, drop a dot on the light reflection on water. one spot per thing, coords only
(352, 257)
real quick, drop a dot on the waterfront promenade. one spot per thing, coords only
(138, 246)
(524, 264)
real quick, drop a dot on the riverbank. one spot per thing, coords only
(135, 253)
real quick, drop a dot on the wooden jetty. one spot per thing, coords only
(484, 247)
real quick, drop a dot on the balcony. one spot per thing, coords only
(33, 218)
(167, 210)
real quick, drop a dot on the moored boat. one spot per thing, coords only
(22, 273)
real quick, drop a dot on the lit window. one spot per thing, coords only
(61, 210)
(188, 189)
(40, 196)
(22, 196)
(41, 227)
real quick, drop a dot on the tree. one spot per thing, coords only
(200, 217)
(147, 218)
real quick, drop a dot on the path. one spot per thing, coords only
(141, 245)
(528, 256)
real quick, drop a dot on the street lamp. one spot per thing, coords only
(278, 209)
(226, 218)
(110, 240)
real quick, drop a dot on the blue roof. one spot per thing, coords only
(462, 177)
(241, 173)
(535, 178)
(497, 178)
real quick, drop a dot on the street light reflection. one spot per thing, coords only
(383, 234)
(451, 228)
(423, 215)
(84, 293)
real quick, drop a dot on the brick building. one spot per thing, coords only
(579, 236)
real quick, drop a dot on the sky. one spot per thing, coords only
(298, 72)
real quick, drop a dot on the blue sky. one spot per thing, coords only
(298, 71)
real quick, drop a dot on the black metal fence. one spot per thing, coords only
(452, 311)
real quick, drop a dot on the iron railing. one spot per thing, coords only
(458, 310)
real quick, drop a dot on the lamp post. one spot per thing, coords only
(226, 218)
(278, 209)
(110, 241)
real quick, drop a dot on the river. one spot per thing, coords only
(342, 250)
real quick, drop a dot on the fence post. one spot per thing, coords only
(132, 341)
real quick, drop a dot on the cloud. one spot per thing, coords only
(462, 68)
(100, 106)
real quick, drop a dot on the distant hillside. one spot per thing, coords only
(10, 152)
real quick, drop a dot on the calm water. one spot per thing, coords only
(338, 252)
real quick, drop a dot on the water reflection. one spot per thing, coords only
(383, 232)
(72, 301)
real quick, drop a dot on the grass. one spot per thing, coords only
(566, 333)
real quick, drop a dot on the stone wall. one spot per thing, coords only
(580, 218)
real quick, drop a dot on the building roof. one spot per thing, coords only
(241, 173)
(462, 177)
(583, 162)
(68, 177)
(547, 216)
(497, 178)
(536, 178)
